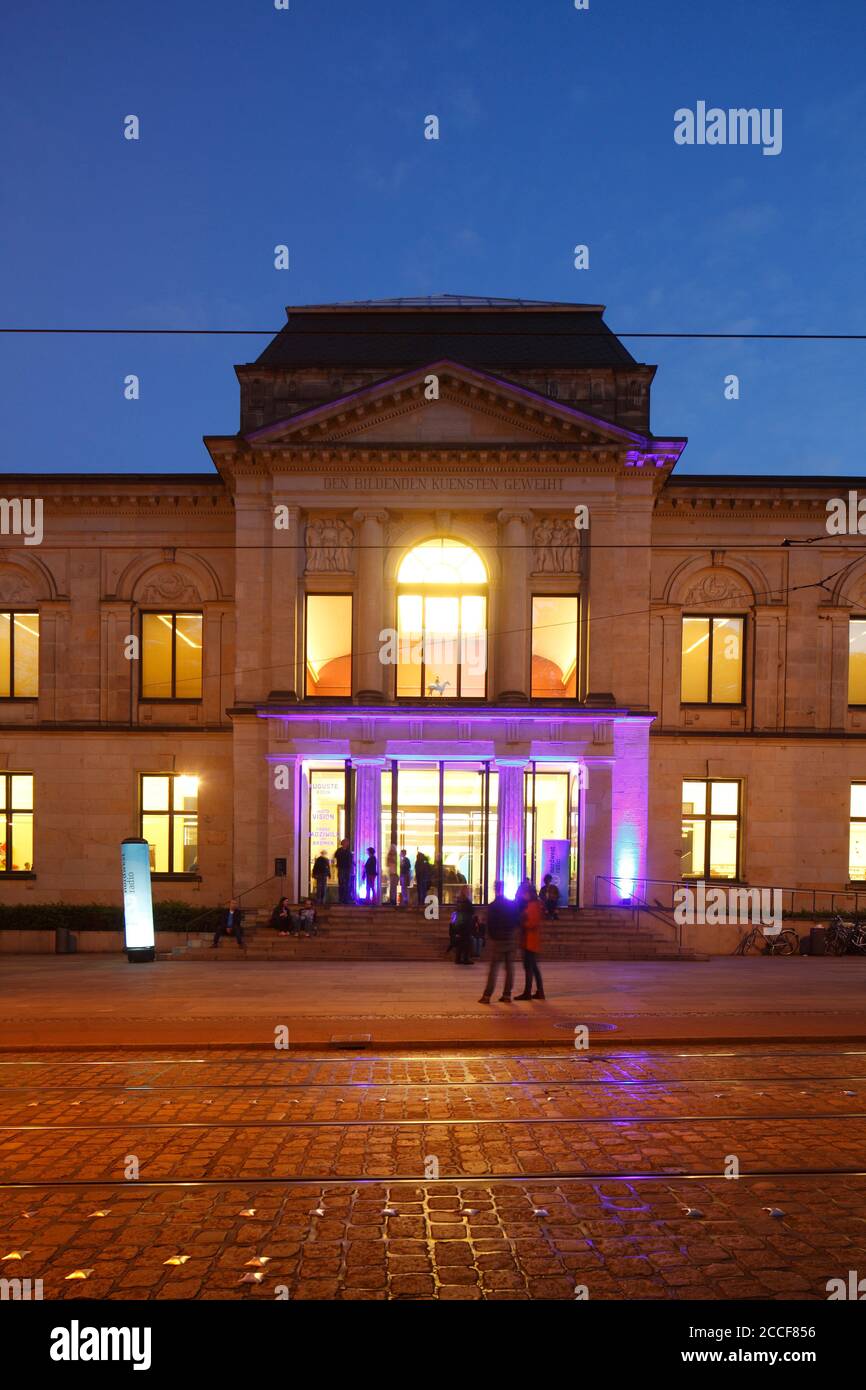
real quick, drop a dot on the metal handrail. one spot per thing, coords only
(190, 925)
(636, 905)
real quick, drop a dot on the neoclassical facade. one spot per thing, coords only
(445, 590)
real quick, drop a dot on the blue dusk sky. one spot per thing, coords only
(306, 127)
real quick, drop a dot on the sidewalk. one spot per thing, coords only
(63, 1002)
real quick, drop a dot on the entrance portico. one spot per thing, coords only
(478, 791)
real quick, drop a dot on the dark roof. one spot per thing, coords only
(746, 481)
(486, 333)
(444, 301)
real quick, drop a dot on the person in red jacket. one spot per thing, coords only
(530, 940)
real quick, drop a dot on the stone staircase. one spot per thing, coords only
(383, 933)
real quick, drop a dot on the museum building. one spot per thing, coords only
(444, 589)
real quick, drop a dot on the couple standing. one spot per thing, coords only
(505, 920)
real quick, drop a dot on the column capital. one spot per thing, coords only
(370, 514)
(507, 515)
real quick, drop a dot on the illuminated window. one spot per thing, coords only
(857, 834)
(19, 655)
(329, 645)
(16, 807)
(857, 661)
(712, 661)
(442, 622)
(169, 822)
(171, 656)
(554, 647)
(711, 829)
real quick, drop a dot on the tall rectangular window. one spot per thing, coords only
(857, 834)
(169, 822)
(711, 829)
(442, 646)
(329, 645)
(712, 661)
(171, 656)
(16, 808)
(857, 661)
(554, 647)
(19, 655)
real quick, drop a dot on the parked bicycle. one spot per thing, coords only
(844, 937)
(755, 942)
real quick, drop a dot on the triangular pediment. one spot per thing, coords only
(444, 403)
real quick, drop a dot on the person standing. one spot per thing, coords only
(405, 878)
(321, 874)
(421, 870)
(463, 920)
(371, 874)
(230, 924)
(502, 931)
(345, 861)
(393, 875)
(549, 897)
(530, 930)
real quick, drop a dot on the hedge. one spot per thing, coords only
(167, 916)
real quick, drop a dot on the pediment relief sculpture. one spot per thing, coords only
(718, 588)
(15, 588)
(169, 586)
(555, 547)
(329, 547)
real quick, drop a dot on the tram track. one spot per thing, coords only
(425, 1122)
(476, 1181)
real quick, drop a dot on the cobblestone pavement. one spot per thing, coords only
(556, 1170)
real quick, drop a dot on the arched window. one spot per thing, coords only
(442, 622)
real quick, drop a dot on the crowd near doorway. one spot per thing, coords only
(445, 810)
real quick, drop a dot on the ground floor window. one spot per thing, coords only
(711, 829)
(439, 810)
(169, 822)
(552, 808)
(16, 804)
(857, 834)
(328, 796)
(443, 814)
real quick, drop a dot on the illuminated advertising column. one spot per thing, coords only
(510, 825)
(138, 937)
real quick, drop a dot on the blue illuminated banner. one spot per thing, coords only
(137, 903)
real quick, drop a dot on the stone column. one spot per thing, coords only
(285, 568)
(367, 818)
(630, 806)
(369, 671)
(513, 610)
(254, 530)
(769, 656)
(831, 669)
(510, 824)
